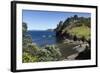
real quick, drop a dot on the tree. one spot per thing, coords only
(75, 38)
(49, 53)
(59, 26)
(83, 38)
(75, 17)
(24, 28)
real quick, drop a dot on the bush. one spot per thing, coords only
(49, 53)
(27, 57)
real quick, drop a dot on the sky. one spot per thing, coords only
(43, 20)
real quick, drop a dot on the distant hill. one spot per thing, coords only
(50, 29)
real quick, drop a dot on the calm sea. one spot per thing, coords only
(42, 38)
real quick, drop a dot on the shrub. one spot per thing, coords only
(49, 53)
(27, 57)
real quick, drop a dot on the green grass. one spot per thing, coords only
(81, 31)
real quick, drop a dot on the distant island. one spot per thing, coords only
(50, 29)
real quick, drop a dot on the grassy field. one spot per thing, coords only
(81, 31)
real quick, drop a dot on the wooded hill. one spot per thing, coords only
(76, 28)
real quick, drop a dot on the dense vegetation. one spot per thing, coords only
(33, 53)
(76, 28)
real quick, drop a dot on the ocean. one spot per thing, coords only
(42, 38)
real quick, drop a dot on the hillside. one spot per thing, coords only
(80, 31)
(74, 27)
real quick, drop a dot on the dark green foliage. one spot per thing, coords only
(48, 53)
(89, 41)
(55, 52)
(75, 17)
(24, 28)
(86, 54)
(83, 39)
(59, 26)
(85, 21)
(26, 38)
(75, 38)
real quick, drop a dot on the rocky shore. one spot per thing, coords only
(80, 50)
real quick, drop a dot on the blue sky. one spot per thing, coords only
(43, 20)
